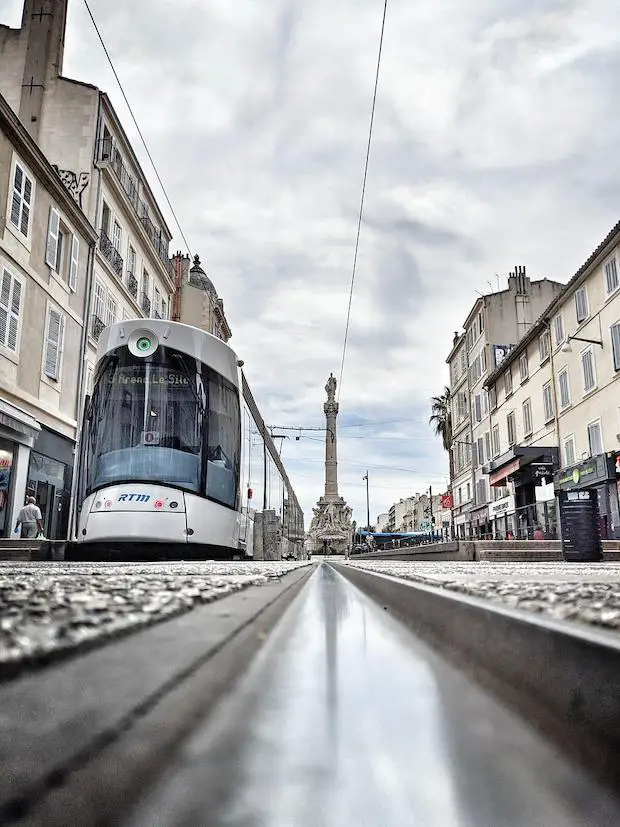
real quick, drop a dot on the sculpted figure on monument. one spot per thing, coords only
(330, 388)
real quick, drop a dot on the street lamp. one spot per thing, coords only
(367, 503)
(566, 348)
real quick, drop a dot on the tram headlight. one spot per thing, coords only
(142, 343)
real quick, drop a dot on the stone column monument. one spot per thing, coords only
(331, 530)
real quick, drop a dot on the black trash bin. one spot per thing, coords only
(579, 519)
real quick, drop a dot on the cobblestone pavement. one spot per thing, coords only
(50, 609)
(582, 592)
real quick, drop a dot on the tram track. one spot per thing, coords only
(376, 699)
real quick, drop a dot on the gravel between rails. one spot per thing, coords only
(580, 592)
(49, 610)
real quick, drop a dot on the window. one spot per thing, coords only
(581, 304)
(485, 402)
(474, 455)
(569, 450)
(611, 276)
(463, 361)
(468, 492)
(558, 327)
(164, 309)
(131, 261)
(105, 218)
(527, 417)
(478, 407)
(487, 445)
(481, 491)
(508, 381)
(75, 260)
(496, 442)
(544, 346)
(523, 367)
(595, 438)
(21, 202)
(11, 293)
(110, 315)
(493, 398)
(564, 388)
(615, 345)
(483, 360)
(511, 428)
(54, 342)
(548, 401)
(588, 369)
(57, 246)
(117, 235)
(99, 304)
(480, 449)
(157, 301)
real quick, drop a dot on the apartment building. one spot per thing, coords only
(47, 250)
(495, 323)
(382, 522)
(78, 130)
(196, 301)
(556, 404)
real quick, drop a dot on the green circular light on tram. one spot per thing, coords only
(144, 343)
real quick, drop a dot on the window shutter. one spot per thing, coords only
(53, 345)
(26, 206)
(16, 306)
(53, 228)
(5, 304)
(75, 256)
(16, 205)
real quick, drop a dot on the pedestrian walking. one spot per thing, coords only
(30, 520)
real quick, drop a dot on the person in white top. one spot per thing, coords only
(30, 520)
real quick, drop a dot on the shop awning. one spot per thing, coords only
(18, 420)
(516, 459)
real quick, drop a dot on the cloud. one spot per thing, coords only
(495, 144)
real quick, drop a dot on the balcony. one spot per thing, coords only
(96, 328)
(132, 284)
(109, 152)
(111, 253)
(146, 305)
(156, 315)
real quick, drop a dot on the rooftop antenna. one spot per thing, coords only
(497, 277)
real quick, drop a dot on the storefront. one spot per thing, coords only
(18, 433)
(49, 481)
(501, 515)
(530, 469)
(601, 473)
(479, 522)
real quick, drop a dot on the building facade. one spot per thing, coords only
(196, 301)
(77, 129)
(559, 428)
(495, 323)
(47, 249)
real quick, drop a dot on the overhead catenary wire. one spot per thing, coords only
(133, 117)
(361, 210)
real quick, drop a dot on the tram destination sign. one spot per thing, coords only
(168, 379)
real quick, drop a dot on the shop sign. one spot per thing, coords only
(594, 471)
(447, 501)
(500, 508)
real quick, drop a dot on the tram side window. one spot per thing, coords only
(224, 438)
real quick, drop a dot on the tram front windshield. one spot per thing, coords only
(165, 419)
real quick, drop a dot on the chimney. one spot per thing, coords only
(45, 22)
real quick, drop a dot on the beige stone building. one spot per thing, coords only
(76, 127)
(196, 301)
(47, 251)
(493, 326)
(555, 403)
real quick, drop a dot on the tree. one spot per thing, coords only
(441, 418)
(441, 421)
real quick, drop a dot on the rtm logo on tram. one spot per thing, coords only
(136, 498)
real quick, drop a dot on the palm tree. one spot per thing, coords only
(441, 420)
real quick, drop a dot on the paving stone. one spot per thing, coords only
(580, 592)
(49, 609)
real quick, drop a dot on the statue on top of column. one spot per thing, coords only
(330, 388)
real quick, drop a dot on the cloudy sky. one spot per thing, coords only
(496, 143)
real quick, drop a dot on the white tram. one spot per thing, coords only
(173, 460)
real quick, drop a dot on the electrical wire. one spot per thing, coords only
(361, 211)
(133, 117)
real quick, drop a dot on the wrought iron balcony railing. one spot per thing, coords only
(132, 284)
(111, 253)
(96, 327)
(146, 305)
